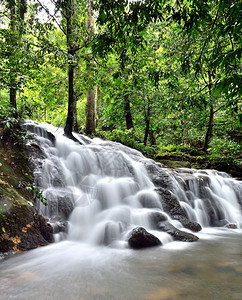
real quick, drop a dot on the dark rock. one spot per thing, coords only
(37, 129)
(24, 229)
(192, 225)
(155, 218)
(178, 235)
(140, 238)
(231, 226)
(158, 176)
(172, 206)
(170, 203)
(149, 200)
(59, 226)
(45, 228)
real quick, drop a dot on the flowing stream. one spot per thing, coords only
(97, 193)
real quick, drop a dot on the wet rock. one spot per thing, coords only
(24, 230)
(148, 200)
(156, 217)
(172, 206)
(60, 203)
(170, 203)
(158, 176)
(192, 225)
(35, 128)
(35, 155)
(140, 238)
(45, 228)
(231, 226)
(178, 235)
(59, 226)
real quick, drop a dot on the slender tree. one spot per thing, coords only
(92, 93)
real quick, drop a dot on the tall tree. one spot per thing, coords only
(92, 93)
(12, 37)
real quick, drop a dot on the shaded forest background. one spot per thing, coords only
(163, 77)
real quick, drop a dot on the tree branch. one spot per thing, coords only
(52, 16)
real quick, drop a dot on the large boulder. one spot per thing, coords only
(178, 235)
(140, 238)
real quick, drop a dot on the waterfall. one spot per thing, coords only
(98, 191)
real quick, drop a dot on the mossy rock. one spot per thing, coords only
(21, 228)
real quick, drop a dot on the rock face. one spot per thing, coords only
(21, 227)
(178, 235)
(140, 238)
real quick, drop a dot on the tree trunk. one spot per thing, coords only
(70, 14)
(91, 111)
(147, 123)
(152, 138)
(20, 10)
(128, 115)
(71, 106)
(75, 125)
(92, 93)
(45, 110)
(211, 115)
(13, 78)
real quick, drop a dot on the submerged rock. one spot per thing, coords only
(140, 238)
(231, 226)
(178, 235)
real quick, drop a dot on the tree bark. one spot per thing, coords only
(92, 93)
(152, 138)
(71, 105)
(211, 115)
(70, 13)
(147, 122)
(13, 78)
(128, 115)
(19, 10)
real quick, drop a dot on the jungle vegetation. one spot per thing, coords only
(163, 77)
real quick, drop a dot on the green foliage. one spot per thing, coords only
(38, 194)
(173, 62)
(224, 148)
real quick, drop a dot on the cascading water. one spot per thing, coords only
(99, 191)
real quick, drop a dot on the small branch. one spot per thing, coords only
(53, 17)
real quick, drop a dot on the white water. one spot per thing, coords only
(103, 190)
